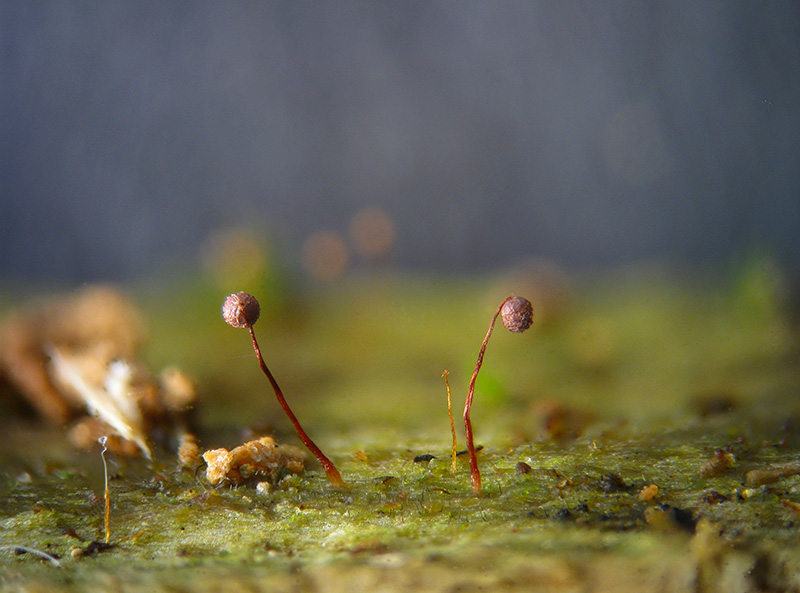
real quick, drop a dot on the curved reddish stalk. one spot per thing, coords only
(473, 456)
(333, 474)
(452, 423)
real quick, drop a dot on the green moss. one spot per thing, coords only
(364, 375)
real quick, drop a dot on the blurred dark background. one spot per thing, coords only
(466, 135)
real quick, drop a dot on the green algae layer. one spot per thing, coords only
(617, 439)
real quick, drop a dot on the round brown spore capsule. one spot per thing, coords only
(517, 314)
(241, 310)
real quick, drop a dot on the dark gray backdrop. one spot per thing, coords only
(591, 132)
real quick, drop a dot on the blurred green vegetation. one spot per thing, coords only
(366, 354)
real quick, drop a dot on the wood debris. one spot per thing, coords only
(261, 458)
(720, 463)
(648, 493)
(113, 400)
(75, 357)
(792, 506)
(759, 477)
(188, 450)
(99, 318)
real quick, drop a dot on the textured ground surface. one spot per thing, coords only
(635, 381)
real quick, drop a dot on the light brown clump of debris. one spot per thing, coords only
(648, 493)
(759, 477)
(188, 450)
(261, 458)
(74, 356)
(98, 318)
(720, 463)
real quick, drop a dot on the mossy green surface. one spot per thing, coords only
(659, 371)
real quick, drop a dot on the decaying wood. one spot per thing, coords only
(262, 458)
(75, 356)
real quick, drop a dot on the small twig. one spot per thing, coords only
(452, 422)
(102, 440)
(197, 478)
(49, 557)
